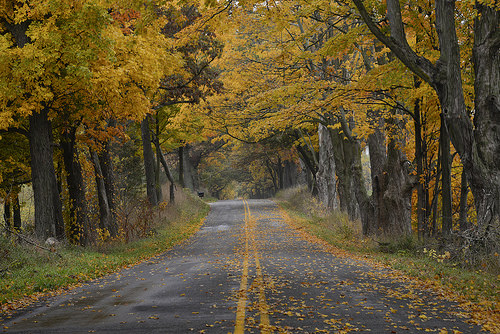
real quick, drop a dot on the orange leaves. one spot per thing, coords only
(126, 19)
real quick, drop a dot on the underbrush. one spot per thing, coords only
(428, 261)
(28, 272)
(334, 227)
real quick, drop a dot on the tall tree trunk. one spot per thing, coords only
(345, 151)
(272, 175)
(311, 169)
(434, 204)
(391, 185)
(463, 207)
(78, 224)
(181, 167)
(484, 178)
(378, 160)
(16, 207)
(7, 214)
(165, 168)
(106, 218)
(290, 170)
(106, 164)
(444, 142)
(48, 210)
(325, 177)
(149, 162)
(280, 172)
(420, 156)
(159, 194)
(478, 148)
(397, 192)
(188, 168)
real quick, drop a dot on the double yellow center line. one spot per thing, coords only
(243, 298)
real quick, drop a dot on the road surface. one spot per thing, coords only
(245, 271)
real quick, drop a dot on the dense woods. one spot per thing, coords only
(388, 111)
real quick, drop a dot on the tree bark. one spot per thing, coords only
(325, 177)
(106, 164)
(280, 173)
(464, 191)
(16, 208)
(181, 167)
(420, 158)
(166, 169)
(446, 208)
(345, 151)
(311, 169)
(479, 149)
(484, 178)
(290, 174)
(48, 210)
(149, 163)
(377, 146)
(159, 193)
(7, 215)
(106, 218)
(391, 185)
(78, 224)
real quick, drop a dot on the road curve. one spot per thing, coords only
(245, 271)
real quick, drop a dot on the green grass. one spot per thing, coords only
(27, 271)
(477, 288)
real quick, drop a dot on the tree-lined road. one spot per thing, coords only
(245, 271)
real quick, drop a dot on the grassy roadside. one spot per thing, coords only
(476, 290)
(28, 273)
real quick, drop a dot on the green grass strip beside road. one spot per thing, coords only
(27, 273)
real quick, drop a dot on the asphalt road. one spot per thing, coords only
(245, 271)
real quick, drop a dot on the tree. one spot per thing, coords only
(474, 144)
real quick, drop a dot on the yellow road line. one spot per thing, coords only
(243, 298)
(242, 301)
(263, 307)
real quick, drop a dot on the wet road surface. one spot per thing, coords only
(245, 271)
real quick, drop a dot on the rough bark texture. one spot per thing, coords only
(420, 160)
(182, 182)
(394, 201)
(7, 214)
(485, 177)
(479, 149)
(346, 153)
(48, 210)
(16, 208)
(325, 178)
(311, 169)
(165, 168)
(187, 171)
(290, 174)
(106, 217)
(159, 194)
(389, 207)
(446, 208)
(106, 164)
(78, 224)
(149, 162)
(463, 208)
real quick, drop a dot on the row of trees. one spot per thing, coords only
(81, 82)
(314, 84)
(413, 84)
